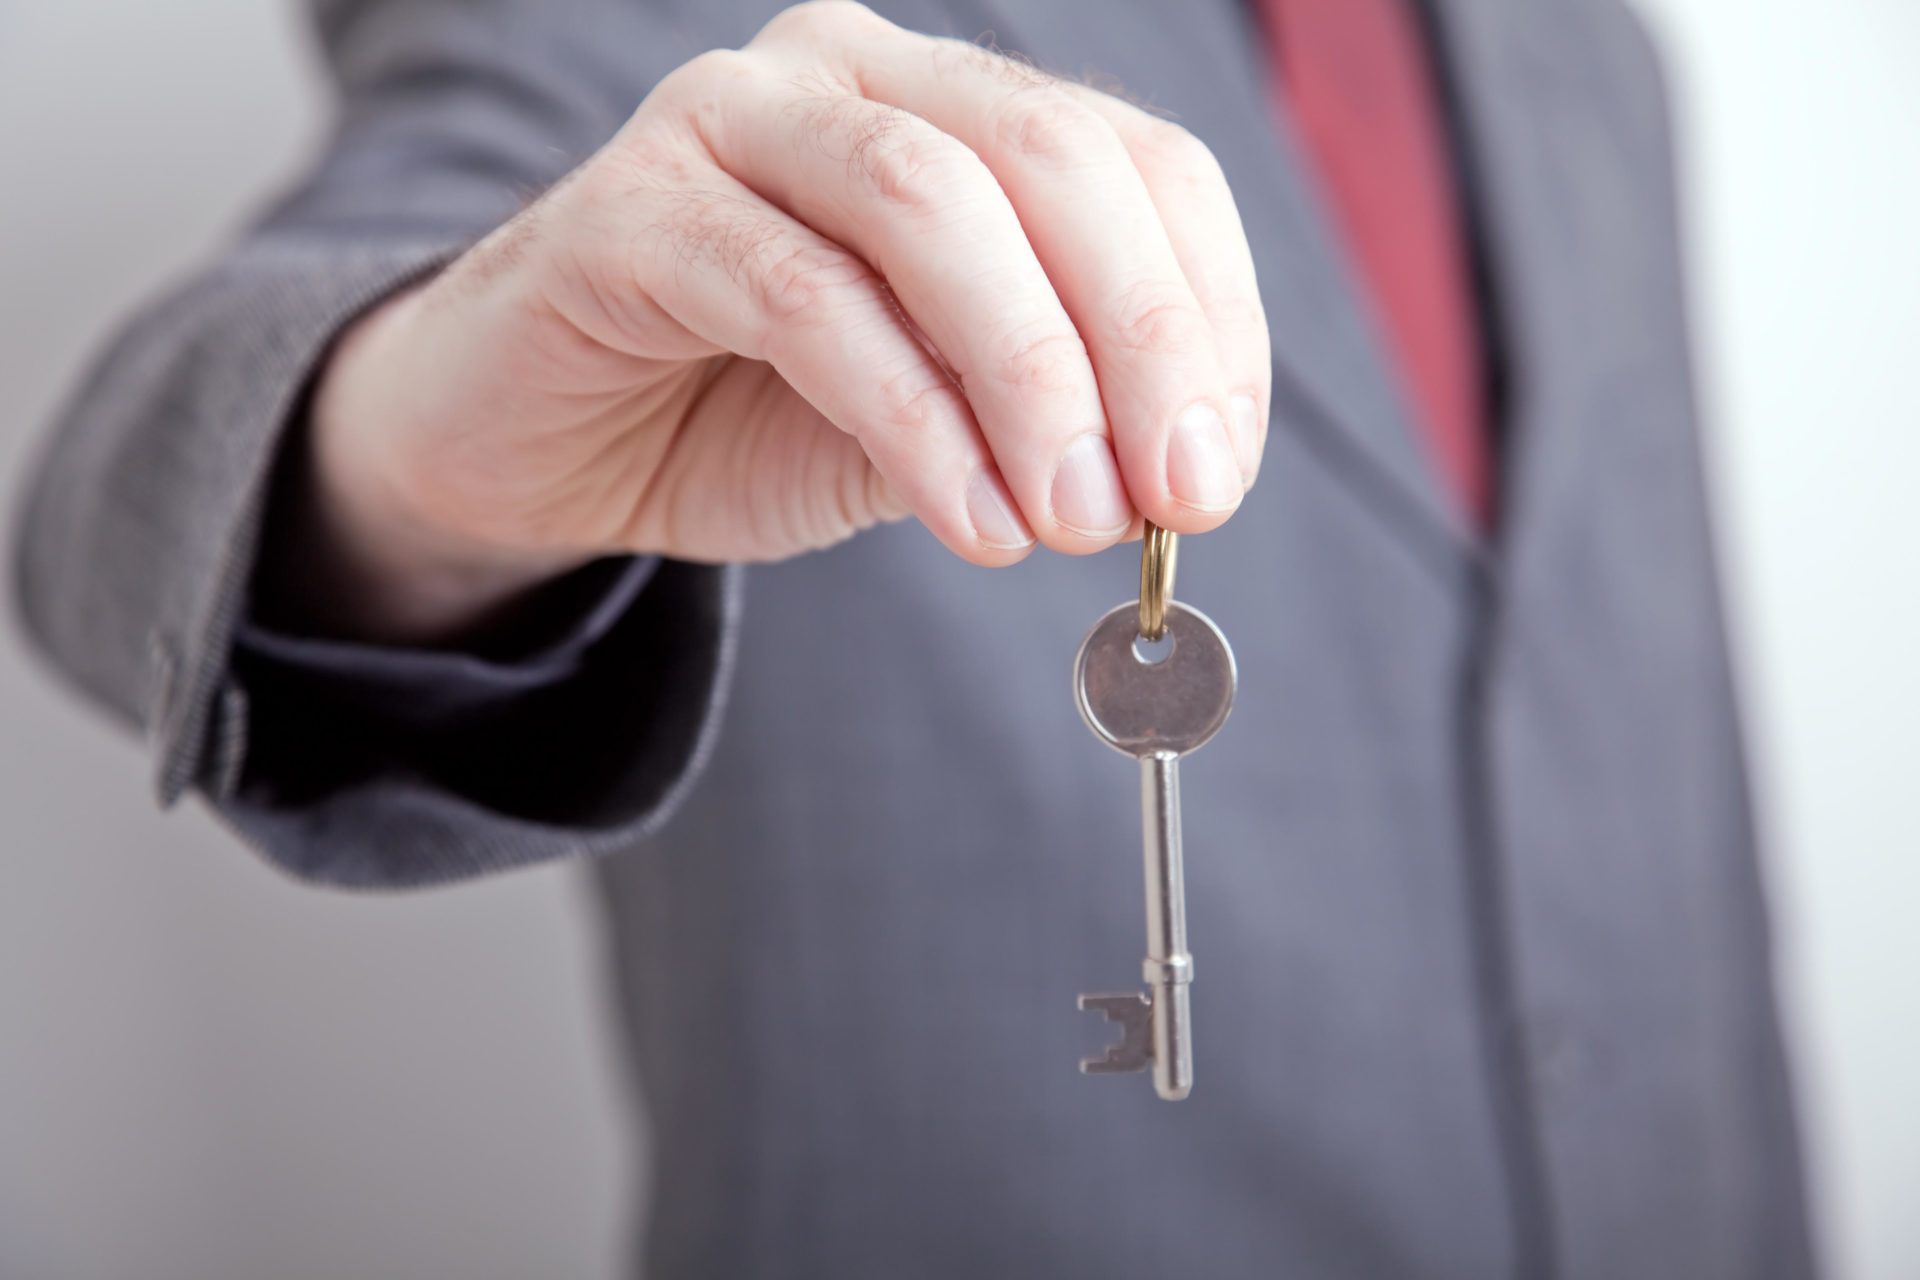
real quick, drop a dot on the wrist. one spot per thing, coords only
(362, 549)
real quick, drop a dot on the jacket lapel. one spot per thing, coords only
(1207, 71)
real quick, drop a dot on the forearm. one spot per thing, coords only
(141, 546)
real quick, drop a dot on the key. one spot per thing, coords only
(1155, 701)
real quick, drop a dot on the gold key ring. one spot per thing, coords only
(1159, 554)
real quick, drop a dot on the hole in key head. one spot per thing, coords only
(1153, 652)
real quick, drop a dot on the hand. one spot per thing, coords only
(846, 274)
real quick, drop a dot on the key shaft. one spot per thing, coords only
(1168, 969)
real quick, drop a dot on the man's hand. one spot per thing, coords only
(843, 275)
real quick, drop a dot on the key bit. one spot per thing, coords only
(1133, 1051)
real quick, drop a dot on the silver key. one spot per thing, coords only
(1155, 702)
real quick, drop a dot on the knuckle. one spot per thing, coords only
(1172, 152)
(1051, 361)
(892, 153)
(1053, 130)
(914, 167)
(697, 79)
(1239, 312)
(913, 402)
(1242, 323)
(798, 285)
(1153, 318)
(815, 21)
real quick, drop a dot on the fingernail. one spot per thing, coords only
(1200, 466)
(1246, 437)
(996, 522)
(1087, 496)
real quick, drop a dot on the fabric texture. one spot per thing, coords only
(1482, 953)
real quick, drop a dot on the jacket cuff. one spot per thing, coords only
(427, 688)
(271, 336)
(340, 790)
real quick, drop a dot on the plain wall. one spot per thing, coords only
(1800, 136)
(210, 1073)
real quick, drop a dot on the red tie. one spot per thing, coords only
(1354, 79)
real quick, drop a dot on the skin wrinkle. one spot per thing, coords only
(617, 294)
(921, 168)
(795, 287)
(1057, 131)
(575, 341)
(902, 158)
(1147, 319)
(671, 515)
(740, 244)
(769, 522)
(824, 515)
(912, 411)
(1053, 361)
(732, 233)
(848, 511)
(889, 149)
(899, 419)
(616, 300)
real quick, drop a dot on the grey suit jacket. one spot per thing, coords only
(1483, 961)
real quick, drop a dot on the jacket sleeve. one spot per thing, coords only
(139, 531)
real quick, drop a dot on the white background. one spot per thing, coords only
(207, 1072)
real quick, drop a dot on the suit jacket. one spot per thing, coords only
(1483, 958)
